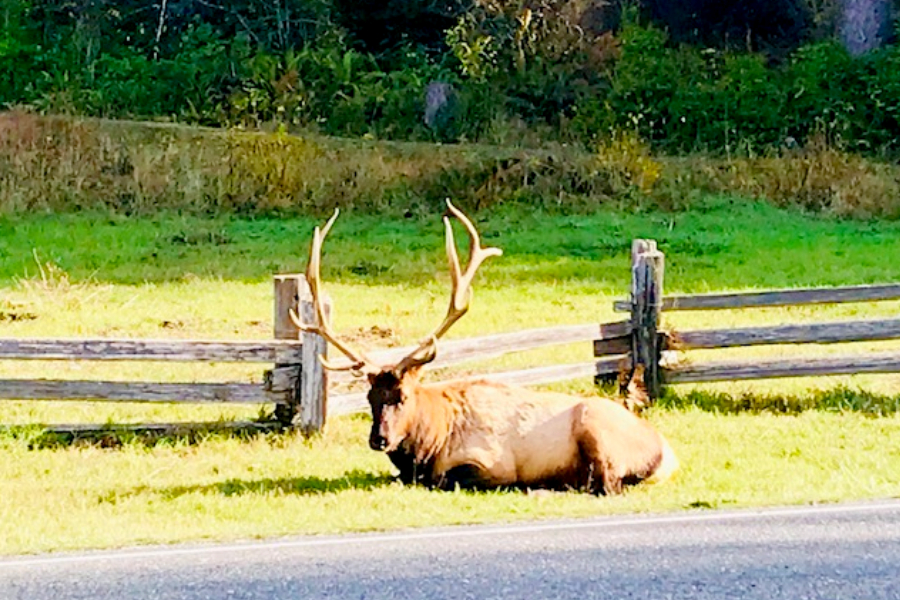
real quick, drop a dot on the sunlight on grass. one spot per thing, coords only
(210, 279)
(230, 488)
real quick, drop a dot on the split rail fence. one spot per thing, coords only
(648, 341)
(298, 387)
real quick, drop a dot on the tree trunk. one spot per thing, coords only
(864, 25)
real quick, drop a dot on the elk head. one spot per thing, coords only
(392, 394)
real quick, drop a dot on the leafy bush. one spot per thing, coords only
(534, 55)
(337, 90)
(685, 99)
(19, 51)
(524, 72)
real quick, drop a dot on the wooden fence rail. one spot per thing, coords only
(297, 384)
(813, 333)
(269, 351)
(860, 293)
(648, 342)
(793, 367)
(356, 402)
(281, 385)
(134, 391)
(455, 352)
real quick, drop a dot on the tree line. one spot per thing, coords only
(708, 75)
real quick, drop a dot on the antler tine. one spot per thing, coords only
(359, 360)
(461, 282)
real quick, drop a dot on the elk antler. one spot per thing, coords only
(359, 361)
(461, 293)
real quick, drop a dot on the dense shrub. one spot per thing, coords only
(522, 71)
(685, 99)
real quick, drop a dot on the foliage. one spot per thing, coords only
(523, 70)
(775, 27)
(339, 91)
(18, 49)
(64, 165)
(384, 25)
(534, 55)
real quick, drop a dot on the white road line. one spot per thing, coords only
(455, 532)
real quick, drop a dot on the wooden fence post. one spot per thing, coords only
(303, 386)
(313, 380)
(287, 298)
(647, 269)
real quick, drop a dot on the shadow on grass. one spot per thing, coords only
(299, 486)
(39, 437)
(838, 400)
(304, 486)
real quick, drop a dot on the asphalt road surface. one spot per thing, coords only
(830, 552)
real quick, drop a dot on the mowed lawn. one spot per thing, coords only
(172, 276)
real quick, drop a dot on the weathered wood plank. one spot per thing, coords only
(289, 351)
(612, 331)
(130, 391)
(620, 345)
(647, 292)
(282, 380)
(286, 294)
(356, 402)
(314, 380)
(346, 404)
(554, 373)
(453, 352)
(796, 367)
(814, 333)
(79, 429)
(860, 293)
(162, 350)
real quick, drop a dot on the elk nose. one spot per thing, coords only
(376, 442)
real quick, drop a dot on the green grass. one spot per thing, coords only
(177, 276)
(227, 488)
(722, 242)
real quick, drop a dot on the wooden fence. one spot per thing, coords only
(297, 385)
(648, 342)
(291, 353)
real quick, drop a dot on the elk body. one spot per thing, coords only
(483, 434)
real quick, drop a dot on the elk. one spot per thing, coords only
(480, 434)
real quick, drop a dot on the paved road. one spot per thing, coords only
(827, 552)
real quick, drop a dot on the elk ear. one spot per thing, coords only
(407, 372)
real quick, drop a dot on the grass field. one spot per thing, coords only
(176, 276)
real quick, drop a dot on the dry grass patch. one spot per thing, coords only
(818, 177)
(63, 164)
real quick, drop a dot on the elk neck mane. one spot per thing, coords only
(442, 413)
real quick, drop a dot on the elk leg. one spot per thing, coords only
(406, 464)
(600, 475)
(465, 477)
(412, 472)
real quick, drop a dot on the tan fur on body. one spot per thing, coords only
(507, 436)
(484, 434)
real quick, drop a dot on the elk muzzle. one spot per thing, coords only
(377, 441)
